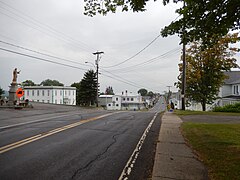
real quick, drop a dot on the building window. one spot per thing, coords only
(32, 92)
(27, 92)
(55, 92)
(60, 93)
(55, 101)
(117, 105)
(42, 92)
(73, 93)
(124, 99)
(69, 92)
(37, 92)
(60, 101)
(131, 99)
(43, 101)
(116, 99)
(48, 92)
(65, 93)
(235, 89)
(48, 101)
(37, 100)
(127, 99)
(109, 104)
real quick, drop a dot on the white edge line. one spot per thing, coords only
(128, 168)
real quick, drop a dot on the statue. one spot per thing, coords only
(15, 73)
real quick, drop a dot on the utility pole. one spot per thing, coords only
(184, 63)
(97, 66)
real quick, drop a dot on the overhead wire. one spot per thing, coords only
(55, 57)
(129, 68)
(66, 65)
(128, 59)
(39, 58)
(57, 34)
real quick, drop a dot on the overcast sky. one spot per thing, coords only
(59, 28)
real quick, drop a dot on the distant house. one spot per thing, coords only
(124, 101)
(230, 91)
(51, 94)
(104, 100)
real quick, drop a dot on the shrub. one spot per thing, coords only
(228, 108)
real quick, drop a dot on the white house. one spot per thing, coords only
(51, 94)
(104, 100)
(230, 91)
(126, 101)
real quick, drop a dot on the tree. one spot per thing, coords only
(88, 88)
(1, 92)
(28, 83)
(150, 93)
(205, 20)
(77, 85)
(49, 82)
(205, 69)
(202, 19)
(109, 91)
(143, 92)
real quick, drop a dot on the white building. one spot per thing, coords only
(126, 101)
(230, 91)
(51, 94)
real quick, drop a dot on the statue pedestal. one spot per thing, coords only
(12, 94)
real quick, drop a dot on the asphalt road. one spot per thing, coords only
(77, 144)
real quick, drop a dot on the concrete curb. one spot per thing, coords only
(174, 159)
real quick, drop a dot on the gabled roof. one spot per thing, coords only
(233, 77)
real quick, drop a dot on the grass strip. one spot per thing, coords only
(218, 145)
(188, 112)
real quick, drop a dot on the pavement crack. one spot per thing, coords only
(98, 157)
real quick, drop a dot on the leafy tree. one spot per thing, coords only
(77, 85)
(28, 83)
(150, 93)
(88, 88)
(109, 91)
(202, 19)
(1, 92)
(205, 69)
(49, 82)
(143, 92)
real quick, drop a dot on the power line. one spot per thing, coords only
(41, 59)
(135, 54)
(66, 65)
(57, 34)
(17, 46)
(164, 55)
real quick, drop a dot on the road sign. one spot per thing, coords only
(20, 92)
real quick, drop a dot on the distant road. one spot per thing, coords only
(73, 143)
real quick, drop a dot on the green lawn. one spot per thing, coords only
(218, 145)
(188, 112)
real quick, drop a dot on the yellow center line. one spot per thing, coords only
(49, 133)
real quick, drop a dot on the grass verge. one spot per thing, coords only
(188, 112)
(218, 145)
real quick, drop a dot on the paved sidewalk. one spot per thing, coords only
(174, 159)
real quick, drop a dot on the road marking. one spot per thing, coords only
(49, 133)
(43, 119)
(133, 158)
